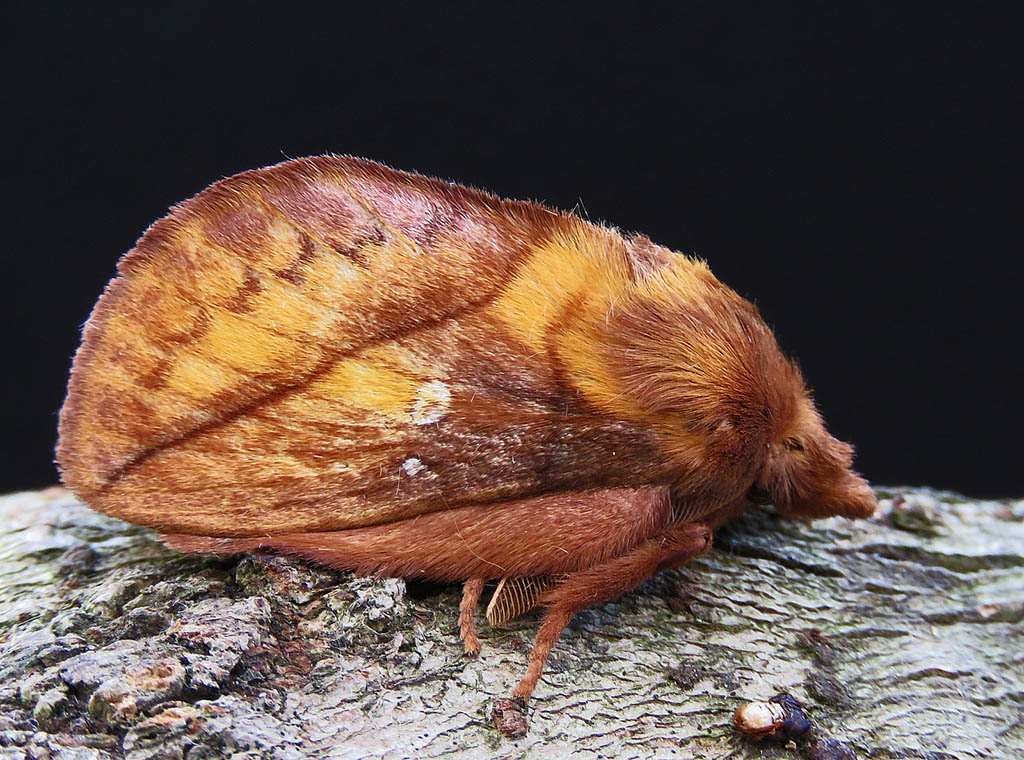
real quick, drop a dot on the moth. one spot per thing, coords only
(392, 374)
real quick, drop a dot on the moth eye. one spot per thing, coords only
(793, 444)
(759, 495)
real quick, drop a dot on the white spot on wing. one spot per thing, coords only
(412, 465)
(432, 401)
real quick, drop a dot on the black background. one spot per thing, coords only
(853, 169)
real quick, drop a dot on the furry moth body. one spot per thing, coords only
(392, 374)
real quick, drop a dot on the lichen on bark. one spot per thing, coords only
(901, 635)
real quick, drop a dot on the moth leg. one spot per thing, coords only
(606, 581)
(471, 591)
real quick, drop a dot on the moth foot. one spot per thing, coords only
(509, 716)
(471, 646)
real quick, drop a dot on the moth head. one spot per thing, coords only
(808, 472)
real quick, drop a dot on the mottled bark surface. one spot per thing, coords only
(903, 636)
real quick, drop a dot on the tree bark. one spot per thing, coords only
(901, 635)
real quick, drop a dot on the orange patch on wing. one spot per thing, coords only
(366, 384)
(560, 270)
